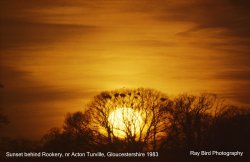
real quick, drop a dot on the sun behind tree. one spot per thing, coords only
(125, 120)
(130, 115)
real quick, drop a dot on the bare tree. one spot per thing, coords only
(191, 117)
(148, 103)
(75, 135)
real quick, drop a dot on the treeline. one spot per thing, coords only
(170, 126)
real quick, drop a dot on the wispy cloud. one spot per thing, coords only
(53, 52)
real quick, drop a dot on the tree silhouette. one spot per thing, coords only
(182, 123)
(148, 121)
(75, 135)
(190, 118)
(231, 129)
(147, 102)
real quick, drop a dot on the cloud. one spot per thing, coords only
(239, 93)
(174, 45)
(239, 89)
(146, 43)
(228, 19)
(21, 34)
(15, 9)
(26, 25)
(234, 75)
(234, 16)
(19, 87)
(32, 106)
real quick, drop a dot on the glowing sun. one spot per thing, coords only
(125, 121)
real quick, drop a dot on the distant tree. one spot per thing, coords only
(231, 129)
(190, 119)
(170, 126)
(75, 135)
(148, 103)
(18, 144)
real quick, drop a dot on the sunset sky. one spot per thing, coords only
(57, 54)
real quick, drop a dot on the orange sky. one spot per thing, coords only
(56, 55)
